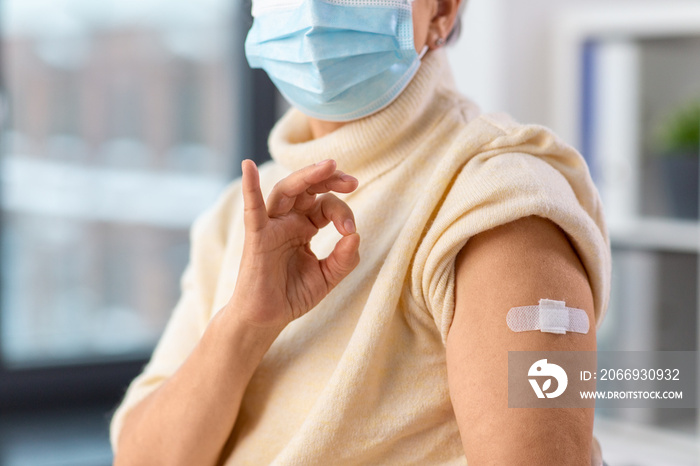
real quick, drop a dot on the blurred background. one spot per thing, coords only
(123, 120)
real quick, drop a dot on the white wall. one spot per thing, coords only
(502, 60)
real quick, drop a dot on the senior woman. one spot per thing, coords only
(392, 349)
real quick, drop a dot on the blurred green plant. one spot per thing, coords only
(679, 133)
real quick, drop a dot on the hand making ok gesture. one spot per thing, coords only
(280, 278)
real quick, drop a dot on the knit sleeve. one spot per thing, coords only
(193, 310)
(492, 190)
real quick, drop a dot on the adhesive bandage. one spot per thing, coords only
(549, 316)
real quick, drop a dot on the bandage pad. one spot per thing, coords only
(549, 316)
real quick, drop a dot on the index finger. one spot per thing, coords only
(283, 195)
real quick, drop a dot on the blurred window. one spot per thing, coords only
(119, 130)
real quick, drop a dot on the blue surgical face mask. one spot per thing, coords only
(335, 60)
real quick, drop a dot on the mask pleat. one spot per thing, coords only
(315, 45)
(335, 61)
(328, 78)
(324, 16)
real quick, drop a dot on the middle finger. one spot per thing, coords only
(307, 182)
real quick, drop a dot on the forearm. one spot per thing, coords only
(189, 418)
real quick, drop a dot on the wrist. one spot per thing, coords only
(245, 337)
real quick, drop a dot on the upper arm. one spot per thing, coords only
(513, 265)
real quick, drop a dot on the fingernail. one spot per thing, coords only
(345, 177)
(349, 226)
(323, 162)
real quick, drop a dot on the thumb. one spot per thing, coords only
(342, 260)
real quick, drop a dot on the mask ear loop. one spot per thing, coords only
(423, 52)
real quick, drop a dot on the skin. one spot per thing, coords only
(532, 255)
(277, 235)
(535, 259)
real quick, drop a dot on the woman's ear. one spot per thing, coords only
(443, 19)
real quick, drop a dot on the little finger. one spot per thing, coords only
(254, 212)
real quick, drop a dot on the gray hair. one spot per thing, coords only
(457, 28)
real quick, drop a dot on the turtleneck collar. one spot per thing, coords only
(369, 146)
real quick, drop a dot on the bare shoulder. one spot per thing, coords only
(530, 243)
(517, 264)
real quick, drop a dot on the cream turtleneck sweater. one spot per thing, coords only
(361, 379)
